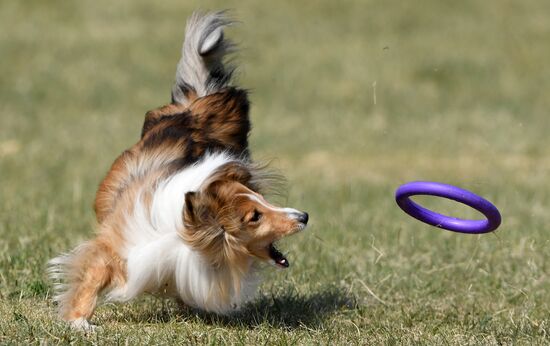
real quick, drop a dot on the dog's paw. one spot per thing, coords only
(83, 325)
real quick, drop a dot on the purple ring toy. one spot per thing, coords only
(450, 192)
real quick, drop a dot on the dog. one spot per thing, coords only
(181, 213)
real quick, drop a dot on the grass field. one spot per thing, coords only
(350, 99)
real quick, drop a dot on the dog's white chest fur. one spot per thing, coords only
(158, 261)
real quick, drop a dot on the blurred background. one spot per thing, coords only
(350, 99)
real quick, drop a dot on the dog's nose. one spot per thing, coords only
(303, 218)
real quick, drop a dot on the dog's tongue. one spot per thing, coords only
(278, 257)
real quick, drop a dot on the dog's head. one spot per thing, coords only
(228, 221)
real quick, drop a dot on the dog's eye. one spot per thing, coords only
(256, 216)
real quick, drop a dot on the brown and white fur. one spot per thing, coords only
(181, 213)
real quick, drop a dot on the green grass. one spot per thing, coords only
(462, 96)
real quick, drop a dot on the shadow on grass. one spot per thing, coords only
(286, 310)
(289, 310)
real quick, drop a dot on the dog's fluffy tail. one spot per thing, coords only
(201, 70)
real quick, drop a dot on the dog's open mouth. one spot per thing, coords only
(277, 257)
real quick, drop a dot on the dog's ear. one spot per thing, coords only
(190, 208)
(230, 172)
(201, 230)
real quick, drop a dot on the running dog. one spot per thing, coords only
(181, 213)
